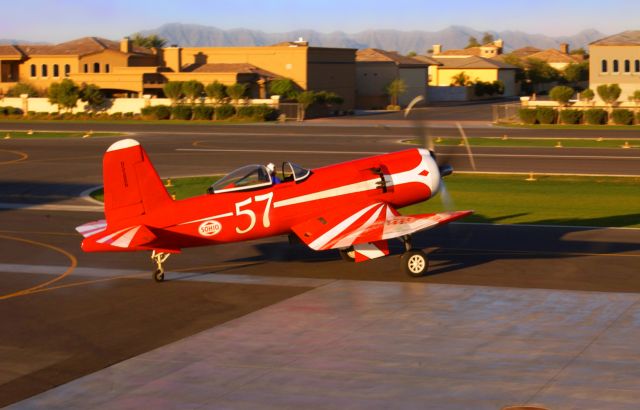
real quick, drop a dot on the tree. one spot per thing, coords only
(579, 51)
(538, 71)
(151, 41)
(609, 93)
(22, 88)
(91, 94)
(173, 91)
(306, 98)
(192, 89)
(284, 87)
(473, 42)
(412, 54)
(576, 72)
(587, 95)
(635, 96)
(396, 88)
(236, 91)
(561, 93)
(460, 79)
(216, 91)
(64, 94)
(487, 38)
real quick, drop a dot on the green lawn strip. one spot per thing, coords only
(509, 199)
(535, 142)
(46, 134)
(553, 200)
(230, 121)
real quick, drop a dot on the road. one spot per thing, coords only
(99, 309)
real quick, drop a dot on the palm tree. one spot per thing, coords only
(395, 88)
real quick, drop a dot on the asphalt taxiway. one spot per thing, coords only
(569, 294)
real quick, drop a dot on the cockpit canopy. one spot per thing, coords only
(257, 176)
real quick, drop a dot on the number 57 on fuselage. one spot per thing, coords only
(350, 206)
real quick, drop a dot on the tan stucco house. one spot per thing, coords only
(616, 59)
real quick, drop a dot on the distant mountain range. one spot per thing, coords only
(402, 41)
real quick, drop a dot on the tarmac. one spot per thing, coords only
(358, 344)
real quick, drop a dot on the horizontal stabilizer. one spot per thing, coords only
(92, 228)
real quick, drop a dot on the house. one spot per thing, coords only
(375, 69)
(475, 68)
(122, 69)
(556, 58)
(616, 60)
(488, 50)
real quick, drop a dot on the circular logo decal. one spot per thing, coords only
(209, 228)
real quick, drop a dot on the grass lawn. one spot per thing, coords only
(535, 142)
(46, 134)
(555, 200)
(603, 127)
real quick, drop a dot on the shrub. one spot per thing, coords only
(22, 88)
(595, 116)
(527, 115)
(224, 111)
(571, 116)
(622, 117)
(173, 90)
(159, 112)
(265, 113)
(587, 95)
(202, 112)
(546, 115)
(216, 91)
(13, 111)
(245, 111)
(609, 92)
(181, 112)
(127, 115)
(116, 115)
(561, 93)
(638, 117)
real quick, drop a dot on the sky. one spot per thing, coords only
(61, 20)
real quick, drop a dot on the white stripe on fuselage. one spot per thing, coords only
(330, 193)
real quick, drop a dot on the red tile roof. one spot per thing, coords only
(80, 47)
(377, 55)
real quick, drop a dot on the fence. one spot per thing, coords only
(506, 113)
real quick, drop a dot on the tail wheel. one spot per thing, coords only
(415, 262)
(158, 275)
(348, 254)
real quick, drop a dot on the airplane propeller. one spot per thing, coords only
(444, 161)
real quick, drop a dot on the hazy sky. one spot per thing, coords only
(61, 20)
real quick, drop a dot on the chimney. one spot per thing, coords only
(499, 43)
(125, 45)
(301, 42)
(564, 48)
(437, 49)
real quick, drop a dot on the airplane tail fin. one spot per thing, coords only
(132, 186)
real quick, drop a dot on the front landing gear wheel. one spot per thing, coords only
(415, 262)
(158, 275)
(348, 254)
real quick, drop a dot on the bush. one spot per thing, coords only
(527, 115)
(12, 111)
(622, 117)
(22, 88)
(224, 111)
(202, 112)
(595, 116)
(546, 115)
(265, 113)
(127, 115)
(116, 115)
(587, 95)
(561, 93)
(571, 116)
(245, 111)
(181, 112)
(159, 112)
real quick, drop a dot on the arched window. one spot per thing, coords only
(96, 67)
(56, 70)
(604, 66)
(615, 66)
(107, 68)
(627, 66)
(86, 68)
(44, 70)
(67, 70)
(33, 70)
(636, 65)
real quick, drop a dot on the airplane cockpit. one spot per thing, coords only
(255, 176)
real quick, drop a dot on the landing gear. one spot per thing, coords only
(159, 258)
(414, 261)
(348, 254)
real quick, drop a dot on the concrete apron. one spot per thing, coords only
(350, 344)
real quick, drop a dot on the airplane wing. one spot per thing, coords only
(367, 225)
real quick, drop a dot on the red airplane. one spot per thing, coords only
(351, 206)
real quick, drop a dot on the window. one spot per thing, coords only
(96, 67)
(107, 68)
(86, 68)
(56, 70)
(44, 70)
(615, 66)
(636, 67)
(293, 172)
(627, 66)
(242, 179)
(33, 70)
(67, 70)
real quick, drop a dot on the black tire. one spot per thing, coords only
(415, 263)
(348, 254)
(158, 275)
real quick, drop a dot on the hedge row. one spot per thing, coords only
(594, 116)
(10, 111)
(205, 112)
